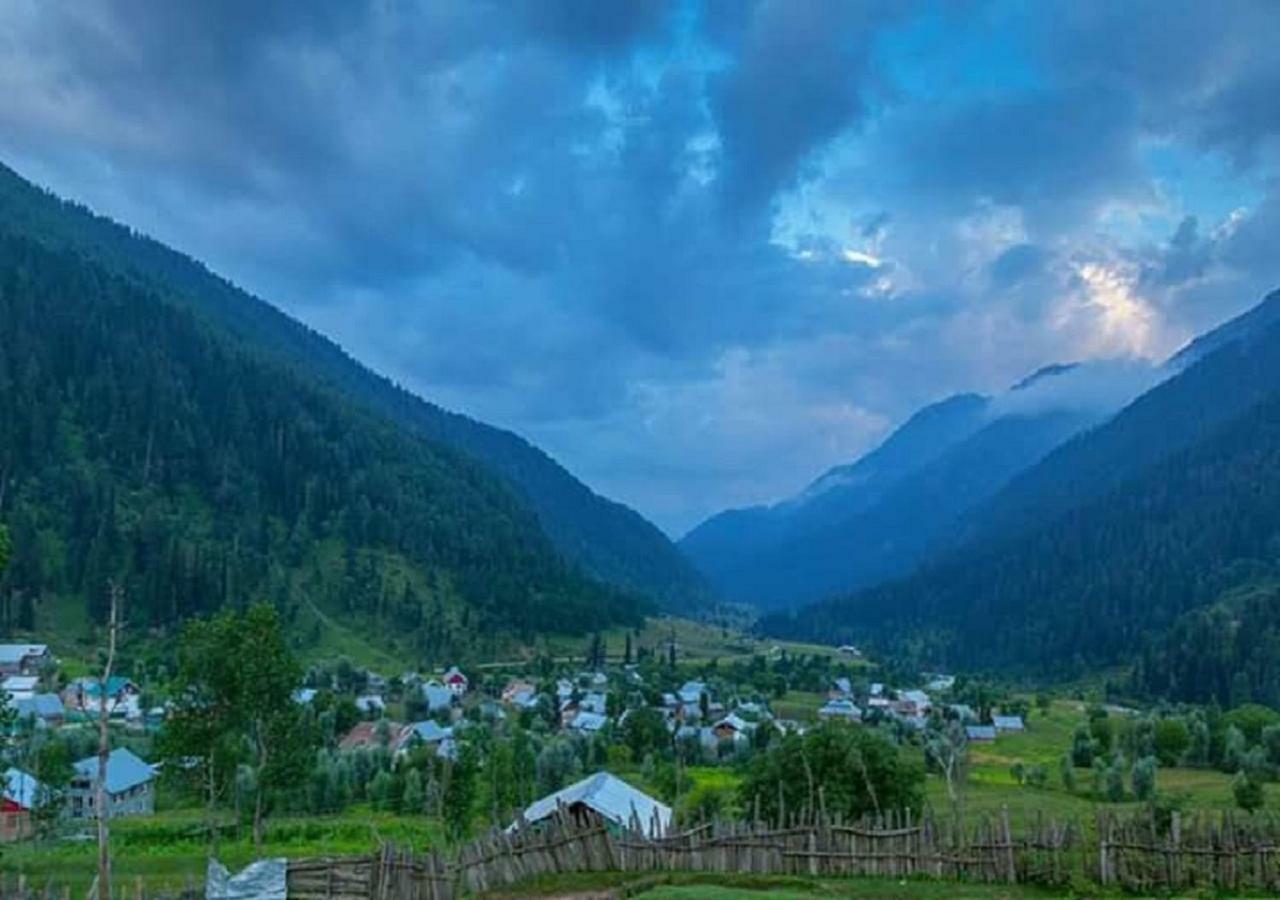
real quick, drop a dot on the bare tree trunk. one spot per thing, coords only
(258, 791)
(102, 801)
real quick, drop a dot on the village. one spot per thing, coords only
(629, 716)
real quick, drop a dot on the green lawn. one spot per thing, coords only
(171, 847)
(710, 886)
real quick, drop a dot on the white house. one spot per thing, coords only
(606, 798)
(455, 681)
(24, 659)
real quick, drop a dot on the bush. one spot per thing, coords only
(1248, 792)
(1143, 778)
(859, 772)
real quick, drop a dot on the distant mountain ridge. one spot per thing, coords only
(882, 515)
(605, 538)
(1116, 545)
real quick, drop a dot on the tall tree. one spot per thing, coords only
(103, 800)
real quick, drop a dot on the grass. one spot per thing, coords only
(170, 848)
(991, 786)
(716, 886)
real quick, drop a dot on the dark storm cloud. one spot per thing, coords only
(700, 250)
(799, 74)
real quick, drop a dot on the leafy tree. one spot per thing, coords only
(1234, 747)
(645, 731)
(234, 690)
(1143, 778)
(1067, 769)
(1037, 775)
(460, 792)
(1116, 772)
(413, 800)
(557, 765)
(5, 549)
(859, 771)
(1082, 745)
(1172, 739)
(1249, 792)
(947, 750)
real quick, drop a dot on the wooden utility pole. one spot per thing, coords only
(102, 801)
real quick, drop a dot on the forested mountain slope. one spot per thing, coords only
(140, 443)
(1183, 504)
(1227, 371)
(605, 538)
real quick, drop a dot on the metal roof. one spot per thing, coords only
(124, 770)
(608, 796)
(21, 788)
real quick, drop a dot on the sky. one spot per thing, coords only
(697, 251)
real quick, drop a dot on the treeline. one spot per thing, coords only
(141, 444)
(1227, 653)
(1098, 583)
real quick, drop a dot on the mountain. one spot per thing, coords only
(1134, 534)
(604, 538)
(144, 445)
(1218, 376)
(882, 515)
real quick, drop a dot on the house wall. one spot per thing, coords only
(139, 800)
(15, 822)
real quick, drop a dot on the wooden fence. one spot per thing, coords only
(1141, 854)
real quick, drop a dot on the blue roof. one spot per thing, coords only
(437, 696)
(428, 731)
(21, 788)
(124, 770)
(41, 706)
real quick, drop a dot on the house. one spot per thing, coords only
(913, 703)
(691, 692)
(876, 689)
(941, 683)
(369, 735)
(603, 798)
(595, 702)
(586, 722)
(840, 709)
(304, 696)
(525, 700)
(980, 734)
(850, 650)
(130, 786)
(455, 681)
(437, 696)
(45, 709)
(840, 687)
(370, 705)
(515, 688)
(84, 695)
(22, 793)
(1008, 723)
(20, 687)
(24, 659)
(733, 728)
(564, 689)
(426, 732)
(962, 712)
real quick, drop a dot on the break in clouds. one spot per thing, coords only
(698, 251)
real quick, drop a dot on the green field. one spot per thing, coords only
(170, 848)
(991, 785)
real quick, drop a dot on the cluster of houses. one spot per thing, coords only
(130, 781)
(913, 708)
